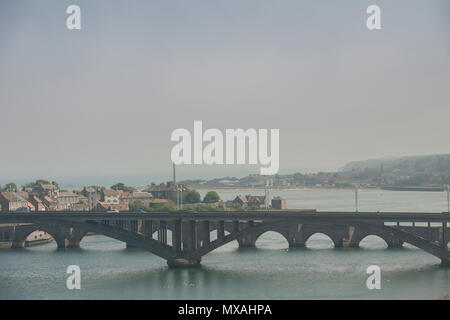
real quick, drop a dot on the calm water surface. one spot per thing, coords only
(270, 271)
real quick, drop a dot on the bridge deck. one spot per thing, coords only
(14, 217)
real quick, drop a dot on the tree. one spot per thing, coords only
(11, 187)
(36, 183)
(169, 206)
(136, 205)
(192, 197)
(29, 185)
(237, 206)
(42, 181)
(97, 189)
(211, 197)
(121, 186)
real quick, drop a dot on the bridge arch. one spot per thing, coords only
(132, 239)
(229, 246)
(400, 236)
(84, 244)
(385, 233)
(70, 234)
(381, 241)
(21, 235)
(280, 235)
(334, 242)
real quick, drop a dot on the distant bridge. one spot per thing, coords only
(183, 238)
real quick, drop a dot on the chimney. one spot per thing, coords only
(174, 176)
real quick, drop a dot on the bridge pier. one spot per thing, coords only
(247, 242)
(395, 243)
(348, 243)
(189, 235)
(445, 262)
(17, 244)
(184, 262)
(294, 235)
(297, 244)
(338, 242)
(62, 243)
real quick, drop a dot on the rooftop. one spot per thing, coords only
(110, 192)
(12, 196)
(48, 186)
(67, 194)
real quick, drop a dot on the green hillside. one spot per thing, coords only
(437, 164)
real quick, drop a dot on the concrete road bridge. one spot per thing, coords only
(182, 238)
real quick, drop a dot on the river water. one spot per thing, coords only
(271, 271)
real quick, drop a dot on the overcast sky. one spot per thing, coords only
(101, 102)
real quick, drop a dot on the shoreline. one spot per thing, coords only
(305, 188)
(273, 188)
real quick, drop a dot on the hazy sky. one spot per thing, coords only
(101, 102)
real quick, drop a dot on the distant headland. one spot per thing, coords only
(421, 173)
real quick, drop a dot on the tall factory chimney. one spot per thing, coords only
(174, 175)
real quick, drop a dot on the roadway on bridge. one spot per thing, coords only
(14, 217)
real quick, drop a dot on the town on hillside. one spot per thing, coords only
(43, 195)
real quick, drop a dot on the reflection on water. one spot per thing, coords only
(270, 271)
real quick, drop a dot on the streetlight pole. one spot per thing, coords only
(180, 197)
(444, 222)
(448, 198)
(266, 195)
(356, 196)
(10, 197)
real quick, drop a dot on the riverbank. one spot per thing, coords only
(271, 188)
(387, 188)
